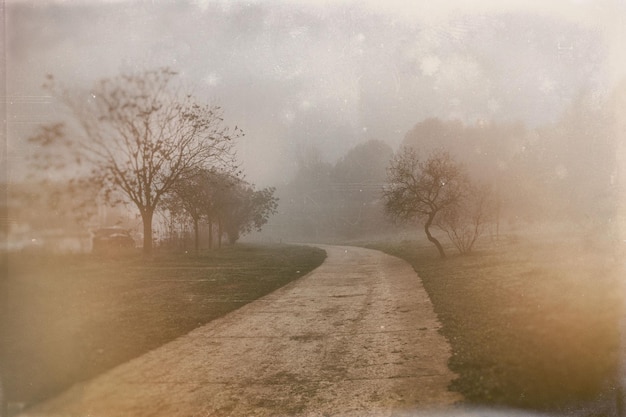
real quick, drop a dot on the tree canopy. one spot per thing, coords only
(423, 188)
(245, 209)
(139, 136)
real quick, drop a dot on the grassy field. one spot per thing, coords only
(532, 321)
(68, 318)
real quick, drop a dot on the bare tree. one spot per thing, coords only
(140, 137)
(423, 189)
(465, 221)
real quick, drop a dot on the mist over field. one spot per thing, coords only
(309, 81)
(484, 145)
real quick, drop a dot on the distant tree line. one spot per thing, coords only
(461, 180)
(224, 203)
(566, 170)
(136, 139)
(335, 201)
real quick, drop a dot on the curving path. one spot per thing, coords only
(357, 336)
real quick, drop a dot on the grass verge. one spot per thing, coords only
(532, 324)
(69, 318)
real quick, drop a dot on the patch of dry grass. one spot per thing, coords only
(533, 322)
(69, 318)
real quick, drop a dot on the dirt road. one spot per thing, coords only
(357, 336)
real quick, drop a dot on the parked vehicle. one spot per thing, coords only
(110, 239)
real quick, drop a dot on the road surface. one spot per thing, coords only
(357, 336)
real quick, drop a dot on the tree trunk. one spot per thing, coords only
(219, 233)
(429, 222)
(210, 233)
(196, 235)
(146, 217)
(233, 236)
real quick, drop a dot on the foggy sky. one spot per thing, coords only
(327, 74)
